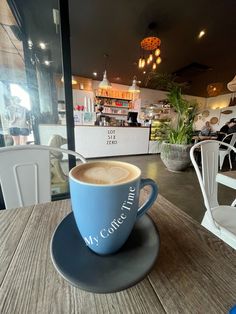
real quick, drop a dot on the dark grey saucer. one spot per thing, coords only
(104, 274)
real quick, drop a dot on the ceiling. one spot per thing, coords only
(115, 28)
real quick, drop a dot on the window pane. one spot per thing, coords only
(32, 100)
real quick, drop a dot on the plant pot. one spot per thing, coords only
(175, 156)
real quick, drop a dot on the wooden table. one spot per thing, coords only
(195, 271)
(227, 178)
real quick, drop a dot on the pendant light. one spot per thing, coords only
(134, 88)
(150, 48)
(105, 84)
(214, 89)
(232, 85)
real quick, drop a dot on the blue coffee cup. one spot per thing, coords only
(105, 202)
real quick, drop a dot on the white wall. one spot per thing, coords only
(201, 101)
(216, 107)
(221, 101)
(219, 114)
(80, 97)
(151, 96)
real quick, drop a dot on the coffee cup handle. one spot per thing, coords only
(152, 197)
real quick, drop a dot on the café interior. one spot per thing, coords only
(108, 80)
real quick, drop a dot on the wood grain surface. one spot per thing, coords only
(11, 228)
(194, 273)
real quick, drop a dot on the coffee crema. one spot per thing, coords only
(110, 172)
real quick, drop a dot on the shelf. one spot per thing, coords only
(116, 107)
(114, 114)
(114, 98)
(117, 94)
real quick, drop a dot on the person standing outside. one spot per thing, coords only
(18, 118)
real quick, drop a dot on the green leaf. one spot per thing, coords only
(182, 131)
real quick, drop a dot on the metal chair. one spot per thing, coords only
(226, 152)
(219, 219)
(25, 173)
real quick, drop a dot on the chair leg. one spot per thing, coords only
(221, 160)
(234, 203)
(230, 163)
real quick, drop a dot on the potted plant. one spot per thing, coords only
(177, 134)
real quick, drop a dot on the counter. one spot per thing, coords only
(102, 141)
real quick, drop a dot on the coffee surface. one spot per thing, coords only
(105, 173)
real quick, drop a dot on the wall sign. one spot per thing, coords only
(111, 137)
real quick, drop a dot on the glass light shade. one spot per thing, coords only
(140, 63)
(201, 34)
(157, 52)
(158, 60)
(148, 61)
(232, 85)
(214, 89)
(150, 57)
(105, 84)
(143, 63)
(134, 88)
(154, 66)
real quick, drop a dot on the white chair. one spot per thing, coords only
(226, 152)
(25, 173)
(219, 219)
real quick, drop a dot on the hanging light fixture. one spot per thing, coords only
(158, 61)
(214, 89)
(150, 49)
(232, 85)
(105, 84)
(157, 52)
(134, 88)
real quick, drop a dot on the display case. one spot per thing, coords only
(156, 114)
(155, 125)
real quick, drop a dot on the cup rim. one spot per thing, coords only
(102, 161)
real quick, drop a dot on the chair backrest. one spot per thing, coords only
(25, 174)
(231, 139)
(209, 169)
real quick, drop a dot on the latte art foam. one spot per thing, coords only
(105, 172)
